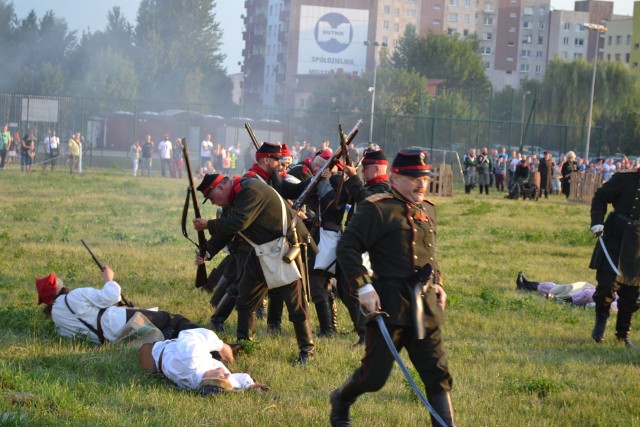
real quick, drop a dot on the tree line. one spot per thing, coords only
(171, 55)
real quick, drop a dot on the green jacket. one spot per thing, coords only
(5, 139)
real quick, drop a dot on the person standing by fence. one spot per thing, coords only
(134, 152)
(568, 167)
(74, 152)
(147, 152)
(5, 143)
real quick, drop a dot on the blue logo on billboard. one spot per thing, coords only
(333, 32)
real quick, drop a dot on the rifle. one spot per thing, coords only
(201, 274)
(345, 153)
(102, 267)
(331, 161)
(252, 135)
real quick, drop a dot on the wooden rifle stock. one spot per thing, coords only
(201, 274)
(252, 135)
(331, 161)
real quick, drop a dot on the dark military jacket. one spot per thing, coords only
(400, 238)
(358, 190)
(622, 192)
(256, 212)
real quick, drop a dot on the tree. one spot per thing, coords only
(178, 52)
(440, 56)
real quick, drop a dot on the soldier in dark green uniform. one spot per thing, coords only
(256, 212)
(398, 230)
(621, 235)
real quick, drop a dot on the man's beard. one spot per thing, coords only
(276, 179)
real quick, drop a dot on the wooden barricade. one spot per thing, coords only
(583, 186)
(442, 183)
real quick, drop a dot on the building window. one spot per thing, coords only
(579, 27)
(539, 54)
(525, 53)
(538, 69)
(609, 57)
(513, 15)
(512, 29)
(485, 50)
(579, 42)
(385, 24)
(527, 25)
(396, 26)
(467, 3)
(541, 25)
(466, 17)
(526, 40)
(453, 17)
(451, 31)
(567, 25)
(385, 40)
(453, 2)
(465, 33)
(397, 11)
(528, 11)
(628, 39)
(487, 65)
(565, 41)
(618, 40)
(387, 10)
(488, 20)
(577, 56)
(487, 36)
(511, 44)
(509, 72)
(435, 22)
(509, 58)
(437, 6)
(411, 12)
(542, 11)
(540, 40)
(617, 57)
(627, 57)
(524, 68)
(609, 40)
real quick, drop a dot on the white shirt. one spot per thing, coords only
(47, 145)
(205, 148)
(187, 358)
(165, 149)
(54, 142)
(86, 302)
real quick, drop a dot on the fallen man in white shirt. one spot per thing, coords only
(188, 362)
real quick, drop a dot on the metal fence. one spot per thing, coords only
(114, 124)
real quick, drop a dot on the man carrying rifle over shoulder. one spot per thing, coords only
(398, 230)
(94, 312)
(256, 213)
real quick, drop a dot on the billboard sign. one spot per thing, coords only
(332, 39)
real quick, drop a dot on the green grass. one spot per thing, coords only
(517, 359)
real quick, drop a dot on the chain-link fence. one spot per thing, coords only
(115, 124)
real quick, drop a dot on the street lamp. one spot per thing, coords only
(599, 29)
(524, 96)
(372, 89)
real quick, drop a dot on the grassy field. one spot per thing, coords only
(517, 359)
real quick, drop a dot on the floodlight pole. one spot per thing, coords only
(599, 29)
(524, 96)
(372, 89)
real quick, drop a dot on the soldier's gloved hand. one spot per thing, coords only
(597, 230)
(368, 298)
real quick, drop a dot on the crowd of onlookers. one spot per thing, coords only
(511, 172)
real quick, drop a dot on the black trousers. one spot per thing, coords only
(427, 355)
(252, 289)
(604, 294)
(169, 324)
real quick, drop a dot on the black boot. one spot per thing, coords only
(246, 324)
(305, 342)
(600, 326)
(486, 189)
(222, 312)
(274, 313)
(323, 310)
(523, 284)
(341, 400)
(443, 406)
(467, 189)
(623, 326)
(481, 188)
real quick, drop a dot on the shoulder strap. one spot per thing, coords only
(99, 332)
(284, 220)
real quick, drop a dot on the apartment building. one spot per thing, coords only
(617, 41)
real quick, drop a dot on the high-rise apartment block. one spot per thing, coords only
(291, 45)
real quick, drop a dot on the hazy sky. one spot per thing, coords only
(92, 14)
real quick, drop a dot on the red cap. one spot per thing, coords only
(47, 289)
